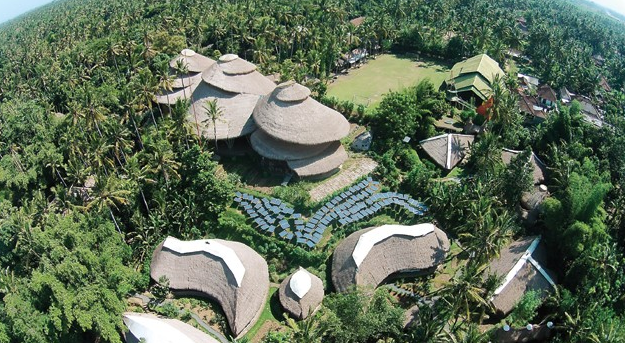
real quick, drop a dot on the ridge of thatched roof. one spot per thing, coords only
(154, 329)
(391, 256)
(274, 149)
(203, 273)
(306, 122)
(520, 263)
(236, 113)
(538, 167)
(235, 75)
(306, 305)
(184, 80)
(165, 97)
(193, 61)
(328, 161)
(447, 150)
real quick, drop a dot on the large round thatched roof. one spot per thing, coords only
(274, 149)
(301, 293)
(153, 329)
(370, 256)
(235, 75)
(235, 119)
(290, 115)
(229, 272)
(329, 160)
(193, 61)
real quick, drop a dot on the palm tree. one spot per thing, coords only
(214, 113)
(108, 194)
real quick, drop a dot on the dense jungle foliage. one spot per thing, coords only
(77, 79)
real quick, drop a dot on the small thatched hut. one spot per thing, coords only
(447, 150)
(235, 86)
(374, 255)
(297, 129)
(153, 329)
(520, 264)
(301, 294)
(229, 272)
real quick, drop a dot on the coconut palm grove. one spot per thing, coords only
(348, 171)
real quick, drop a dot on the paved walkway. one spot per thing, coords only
(360, 167)
(212, 331)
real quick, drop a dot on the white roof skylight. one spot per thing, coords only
(300, 283)
(153, 330)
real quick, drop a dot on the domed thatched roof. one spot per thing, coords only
(301, 293)
(291, 115)
(229, 272)
(235, 75)
(154, 329)
(236, 112)
(370, 256)
(329, 160)
(274, 149)
(194, 62)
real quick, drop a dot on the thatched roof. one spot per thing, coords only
(361, 259)
(194, 62)
(301, 293)
(274, 149)
(520, 264)
(328, 161)
(447, 150)
(155, 329)
(165, 97)
(184, 80)
(236, 112)
(291, 115)
(197, 268)
(538, 167)
(235, 75)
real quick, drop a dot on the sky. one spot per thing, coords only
(10, 9)
(616, 5)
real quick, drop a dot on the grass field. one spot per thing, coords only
(271, 312)
(370, 82)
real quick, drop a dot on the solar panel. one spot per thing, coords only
(283, 233)
(300, 228)
(275, 201)
(271, 229)
(310, 244)
(289, 236)
(264, 227)
(299, 222)
(301, 240)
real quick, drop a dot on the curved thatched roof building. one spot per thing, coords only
(297, 129)
(289, 114)
(301, 294)
(373, 255)
(153, 329)
(235, 86)
(236, 75)
(185, 83)
(229, 272)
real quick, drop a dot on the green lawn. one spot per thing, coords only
(370, 82)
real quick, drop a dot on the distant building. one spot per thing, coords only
(472, 79)
(547, 96)
(363, 141)
(357, 21)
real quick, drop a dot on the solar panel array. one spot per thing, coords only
(360, 201)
